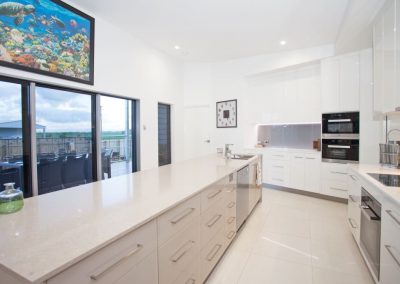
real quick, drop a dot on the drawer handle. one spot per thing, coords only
(390, 213)
(191, 281)
(212, 195)
(214, 252)
(230, 205)
(351, 197)
(389, 249)
(277, 179)
(231, 234)
(351, 223)
(337, 188)
(214, 220)
(183, 216)
(297, 157)
(278, 156)
(308, 158)
(100, 274)
(353, 178)
(230, 220)
(231, 190)
(338, 173)
(180, 255)
(278, 167)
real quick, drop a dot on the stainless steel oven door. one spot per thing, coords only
(370, 231)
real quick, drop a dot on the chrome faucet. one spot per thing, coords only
(390, 132)
(228, 151)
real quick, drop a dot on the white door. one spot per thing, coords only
(349, 92)
(198, 123)
(330, 85)
(312, 166)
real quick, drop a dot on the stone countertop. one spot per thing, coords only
(289, 150)
(55, 230)
(391, 193)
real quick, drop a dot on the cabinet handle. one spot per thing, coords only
(212, 195)
(98, 275)
(351, 197)
(390, 213)
(277, 179)
(308, 158)
(231, 234)
(180, 255)
(230, 220)
(191, 281)
(278, 156)
(279, 167)
(214, 220)
(351, 223)
(230, 205)
(214, 252)
(353, 178)
(231, 190)
(389, 249)
(297, 157)
(338, 173)
(337, 188)
(183, 216)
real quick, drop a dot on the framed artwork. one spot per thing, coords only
(227, 114)
(47, 37)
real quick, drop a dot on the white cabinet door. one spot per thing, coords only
(349, 83)
(389, 63)
(312, 177)
(297, 171)
(330, 85)
(378, 66)
(397, 78)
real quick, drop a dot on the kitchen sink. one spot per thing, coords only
(241, 157)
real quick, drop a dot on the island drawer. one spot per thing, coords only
(211, 195)
(211, 253)
(122, 257)
(211, 221)
(176, 253)
(191, 275)
(177, 218)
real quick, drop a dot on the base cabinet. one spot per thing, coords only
(353, 206)
(390, 245)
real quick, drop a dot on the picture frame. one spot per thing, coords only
(226, 114)
(49, 38)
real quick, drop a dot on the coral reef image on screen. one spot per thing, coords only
(43, 35)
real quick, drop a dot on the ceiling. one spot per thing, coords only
(213, 30)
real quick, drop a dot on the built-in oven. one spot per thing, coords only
(370, 230)
(340, 150)
(344, 125)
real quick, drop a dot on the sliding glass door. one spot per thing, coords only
(14, 161)
(117, 130)
(64, 139)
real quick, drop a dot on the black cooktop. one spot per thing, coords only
(388, 180)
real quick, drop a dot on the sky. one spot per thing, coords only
(62, 111)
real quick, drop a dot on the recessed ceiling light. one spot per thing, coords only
(283, 42)
(177, 47)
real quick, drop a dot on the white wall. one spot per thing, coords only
(207, 83)
(128, 67)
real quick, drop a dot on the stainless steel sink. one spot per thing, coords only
(241, 157)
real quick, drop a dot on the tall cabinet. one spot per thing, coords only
(340, 83)
(386, 43)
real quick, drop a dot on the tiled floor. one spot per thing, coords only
(293, 239)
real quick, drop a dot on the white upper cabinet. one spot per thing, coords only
(340, 83)
(386, 58)
(330, 85)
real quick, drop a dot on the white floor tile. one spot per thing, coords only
(261, 269)
(296, 239)
(283, 247)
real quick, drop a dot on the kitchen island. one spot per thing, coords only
(60, 230)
